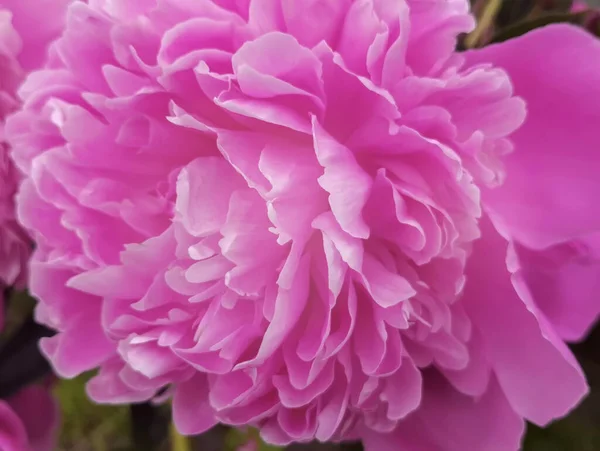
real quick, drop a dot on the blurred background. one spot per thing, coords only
(145, 427)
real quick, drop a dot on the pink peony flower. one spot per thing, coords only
(296, 215)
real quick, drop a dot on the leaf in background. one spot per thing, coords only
(485, 20)
(236, 438)
(521, 28)
(501, 20)
(19, 305)
(87, 426)
(514, 11)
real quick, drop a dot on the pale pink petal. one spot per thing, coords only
(203, 214)
(345, 181)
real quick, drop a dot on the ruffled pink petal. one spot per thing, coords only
(65, 351)
(345, 181)
(109, 386)
(38, 22)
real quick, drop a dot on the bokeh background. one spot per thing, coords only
(146, 427)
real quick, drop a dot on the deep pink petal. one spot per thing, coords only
(520, 344)
(552, 183)
(450, 421)
(564, 281)
(191, 412)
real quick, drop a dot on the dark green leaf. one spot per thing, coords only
(521, 28)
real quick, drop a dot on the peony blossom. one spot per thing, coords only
(315, 218)
(28, 419)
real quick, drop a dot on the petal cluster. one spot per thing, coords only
(273, 209)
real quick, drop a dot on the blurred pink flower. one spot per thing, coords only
(26, 29)
(592, 19)
(579, 6)
(314, 217)
(28, 419)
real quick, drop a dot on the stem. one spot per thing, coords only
(148, 426)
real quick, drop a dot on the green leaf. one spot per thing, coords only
(89, 426)
(521, 28)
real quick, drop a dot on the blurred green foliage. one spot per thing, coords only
(87, 426)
